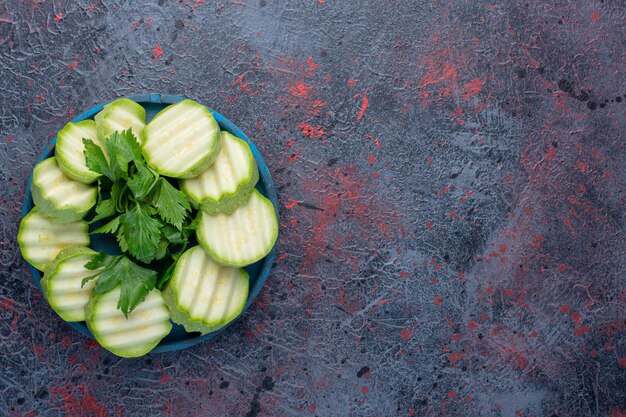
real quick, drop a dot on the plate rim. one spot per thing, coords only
(264, 176)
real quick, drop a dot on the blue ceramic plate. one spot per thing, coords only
(259, 271)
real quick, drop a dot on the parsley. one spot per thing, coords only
(150, 218)
(135, 281)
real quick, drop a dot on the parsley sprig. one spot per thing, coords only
(150, 218)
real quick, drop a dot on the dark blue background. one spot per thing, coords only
(451, 184)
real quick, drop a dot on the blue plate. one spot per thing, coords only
(259, 271)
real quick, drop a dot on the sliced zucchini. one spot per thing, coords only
(204, 296)
(58, 196)
(42, 238)
(228, 182)
(62, 282)
(120, 115)
(182, 140)
(69, 150)
(128, 337)
(240, 238)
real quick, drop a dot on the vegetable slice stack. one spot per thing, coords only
(62, 283)
(119, 115)
(128, 337)
(58, 196)
(41, 238)
(204, 296)
(182, 140)
(227, 183)
(243, 237)
(69, 150)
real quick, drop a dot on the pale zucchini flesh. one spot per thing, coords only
(69, 150)
(42, 238)
(203, 295)
(228, 182)
(119, 115)
(182, 140)
(62, 283)
(58, 196)
(240, 238)
(128, 337)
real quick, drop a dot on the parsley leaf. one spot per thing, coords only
(122, 148)
(110, 227)
(104, 209)
(142, 181)
(141, 233)
(172, 203)
(135, 282)
(95, 159)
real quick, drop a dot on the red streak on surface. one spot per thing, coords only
(439, 74)
(595, 16)
(299, 89)
(291, 203)
(473, 88)
(197, 4)
(351, 83)
(73, 64)
(364, 105)
(58, 17)
(580, 331)
(454, 357)
(310, 131)
(451, 394)
(85, 406)
(364, 390)
(406, 334)
(445, 190)
(157, 51)
(438, 300)
(311, 66)
(472, 325)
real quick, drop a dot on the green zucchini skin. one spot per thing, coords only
(204, 296)
(228, 182)
(128, 337)
(58, 196)
(243, 237)
(182, 140)
(119, 115)
(62, 283)
(69, 150)
(41, 238)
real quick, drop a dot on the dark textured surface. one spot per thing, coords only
(451, 180)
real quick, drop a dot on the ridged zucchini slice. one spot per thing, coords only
(62, 281)
(120, 115)
(42, 238)
(240, 238)
(228, 182)
(58, 196)
(128, 337)
(204, 296)
(182, 140)
(69, 150)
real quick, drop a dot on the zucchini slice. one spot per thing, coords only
(240, 238)
(69, 150)
(204, 296)
(120, 115)
(182, 140)
(62, 281)
(42, 238)
(228, 182)
(128, 337)
(58, 196)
